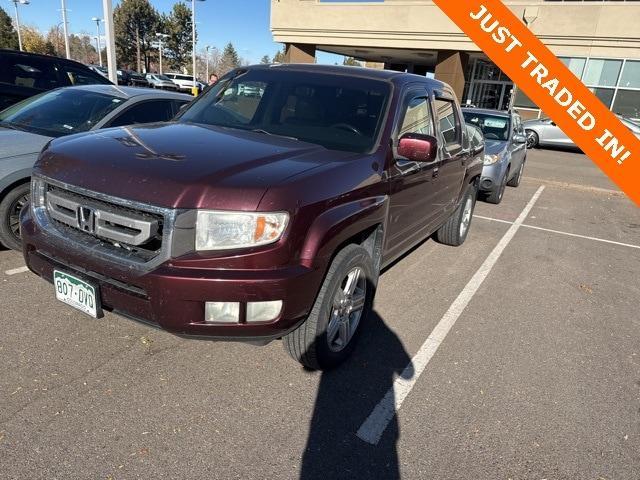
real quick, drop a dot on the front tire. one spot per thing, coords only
(329, 334)
(515, 181)
(533, 139)
(10, 208)
(496, 196)
(454, 232)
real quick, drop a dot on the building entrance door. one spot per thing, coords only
(493, 95)
(487, 86)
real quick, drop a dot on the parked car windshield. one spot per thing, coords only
(335, 111)
(162, 77)
(494, 127)
(59, 112)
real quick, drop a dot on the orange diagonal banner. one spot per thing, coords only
(552, 86)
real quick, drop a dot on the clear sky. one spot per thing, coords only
(245, 23)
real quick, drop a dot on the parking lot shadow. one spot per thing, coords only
(346, 396)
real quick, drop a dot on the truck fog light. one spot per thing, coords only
(222, 312)
(263, 311)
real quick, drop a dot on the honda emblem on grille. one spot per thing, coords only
(86, 219)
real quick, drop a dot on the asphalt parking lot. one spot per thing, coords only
(515, 356)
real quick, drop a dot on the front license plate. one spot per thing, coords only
(77, 293)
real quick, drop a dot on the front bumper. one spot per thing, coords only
(171, 296)
(492, 176)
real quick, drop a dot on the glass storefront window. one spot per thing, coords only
(604, 94)
(627, 104)
(523, 101)
(576, 65)
(631, 75)
(602, 73)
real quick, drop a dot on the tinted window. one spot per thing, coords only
(29, 72)
(335, 111)
(494, 127)
(417, 118)
(449, 122)
(476, 138)
(72, 75)
(60, 112)
(145, 112)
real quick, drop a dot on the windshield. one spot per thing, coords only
(494, 127)
(162, 77)
(335, 111)
(60, 112)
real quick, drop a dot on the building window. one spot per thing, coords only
(605, 95)
(602, 73)
(522, 101)
(627, 104)
(631, 75)
(576, 65)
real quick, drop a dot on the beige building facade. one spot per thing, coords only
(599, 40)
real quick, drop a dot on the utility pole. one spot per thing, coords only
(65, 29)
(15, 5)
(107, 8)
(98, 20)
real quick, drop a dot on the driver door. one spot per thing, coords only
(413, 192)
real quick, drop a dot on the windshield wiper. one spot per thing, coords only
(260, 130)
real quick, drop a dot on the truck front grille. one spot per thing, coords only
(131, 233)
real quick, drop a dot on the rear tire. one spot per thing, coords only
(10, 208)
(317, 343)
(454, 232)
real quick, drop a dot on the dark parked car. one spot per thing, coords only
(256, 217)
(505, 150)
(131, 79)
(23, 75)
(27, 126)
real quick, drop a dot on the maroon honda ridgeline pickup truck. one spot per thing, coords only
(265, 211)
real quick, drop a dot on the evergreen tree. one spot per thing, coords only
(8, 34)
(179, 45)
(136, 23)
(265, 60)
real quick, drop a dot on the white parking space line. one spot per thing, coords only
(15, 271)
(374, 426)
(569, 234)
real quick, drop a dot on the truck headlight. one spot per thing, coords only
(218, 230)
(491, 159)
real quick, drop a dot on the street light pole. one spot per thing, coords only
(193, 33)
(67, 49)
(207, 62)
(107, 8)
(98, 20)
(15, 5)
(160, 37)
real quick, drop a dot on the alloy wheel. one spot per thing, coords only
(14, 215)
(466, 216)
(347, 307)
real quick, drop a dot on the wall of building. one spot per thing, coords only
(608, 29)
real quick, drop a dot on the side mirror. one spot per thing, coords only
(519, 138)
(418, 148)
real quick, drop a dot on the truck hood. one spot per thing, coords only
(15, 143)
(181, 165)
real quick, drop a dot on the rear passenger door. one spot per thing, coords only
(453, 154)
